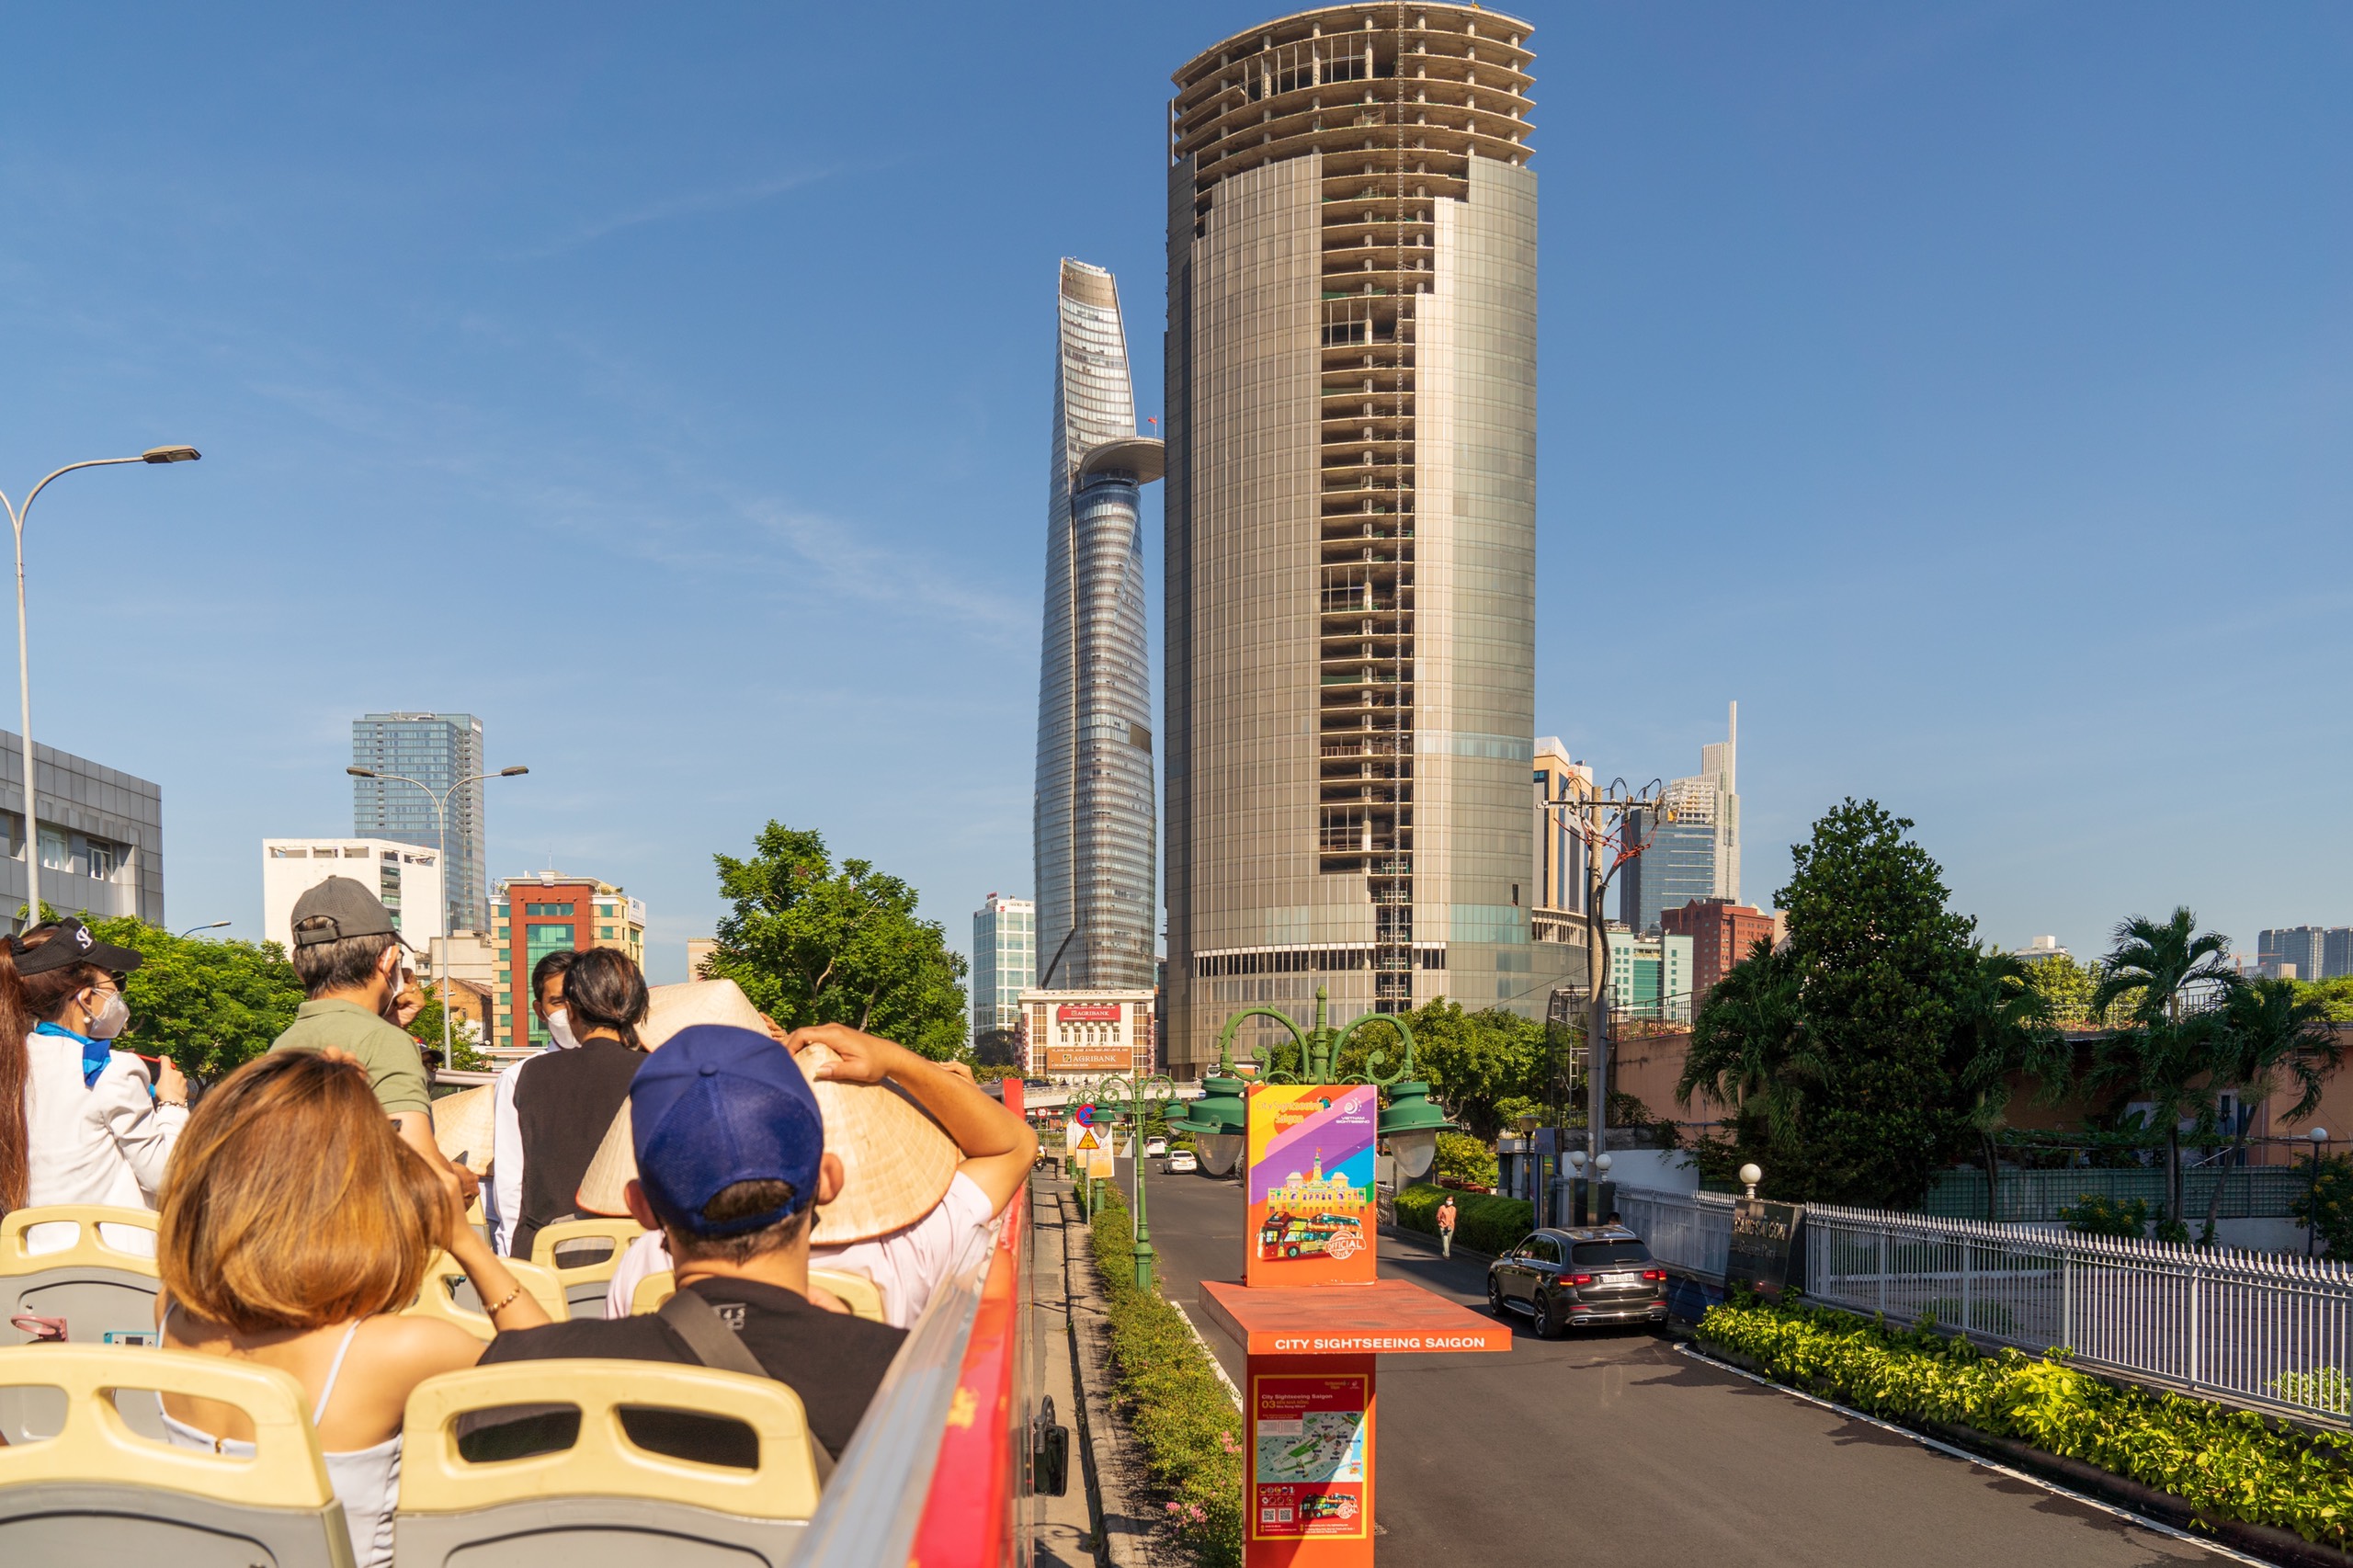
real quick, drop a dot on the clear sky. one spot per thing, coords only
(1967, 390)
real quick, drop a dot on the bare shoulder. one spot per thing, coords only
(415, 1347)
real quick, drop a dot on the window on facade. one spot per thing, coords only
(560, 909)
(54, 856)
(105, 860)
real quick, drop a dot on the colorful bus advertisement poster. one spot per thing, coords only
(1308, 1462)
(1310, 1184)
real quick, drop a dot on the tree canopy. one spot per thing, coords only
(813, 942)
(211, 1006)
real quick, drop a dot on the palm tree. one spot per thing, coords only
(1751, 1048)
(2158, 971)
(2006, 1031)
(2270, 1031)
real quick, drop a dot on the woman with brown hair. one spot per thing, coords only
(295, 1224)
(96, 1128)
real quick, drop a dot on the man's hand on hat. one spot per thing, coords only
(858, 1057)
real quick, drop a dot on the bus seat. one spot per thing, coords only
(449, 1296)
(583, 1253)
(98, 1495)
(604, 1502)
(862, 1296)
(94, 1267)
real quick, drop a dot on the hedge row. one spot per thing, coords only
(1173, 1400)
(1482, 1220)
(2230, 1463)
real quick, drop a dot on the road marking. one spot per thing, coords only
(2206, 1543)
(1215, 1365)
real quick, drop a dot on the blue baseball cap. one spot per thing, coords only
(717, 1105)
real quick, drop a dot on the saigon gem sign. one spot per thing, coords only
(1310, 1184)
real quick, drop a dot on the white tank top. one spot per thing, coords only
(365, 1480)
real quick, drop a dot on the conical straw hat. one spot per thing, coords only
(462, 1125)
(896, 1162)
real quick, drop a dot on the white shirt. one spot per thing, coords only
(106, 1142)
(907, 1263)
(501, 1205)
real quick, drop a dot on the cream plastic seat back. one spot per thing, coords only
(449, 1296)
(97, 1493)
(862, 1296)
(604, 1502)
(583, 1253)
(94, 1267)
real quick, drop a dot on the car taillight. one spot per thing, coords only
(1581, 1279)
(1655, 1274)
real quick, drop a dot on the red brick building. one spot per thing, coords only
(1722, 932)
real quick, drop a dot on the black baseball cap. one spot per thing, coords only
(338, 908)
(69, 942)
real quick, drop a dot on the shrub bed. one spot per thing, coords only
(1170, 1395)
(1482, 1220)
(2231, 1464)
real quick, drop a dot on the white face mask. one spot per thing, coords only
(560, 1026)
(111, 1019)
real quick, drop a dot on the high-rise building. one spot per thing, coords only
(1651, 977)
(1093, 820)
(101, 835)
(1722, 933)
(406, 878)
(2337, 952)
(1005, 962)
(2306, 947)
(1559, 872)
(1696, 854)
(544, 913)
(437, 750)
(1350, 514)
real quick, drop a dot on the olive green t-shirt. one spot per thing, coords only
(395, 1070)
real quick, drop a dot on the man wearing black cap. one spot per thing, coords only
(347, 955)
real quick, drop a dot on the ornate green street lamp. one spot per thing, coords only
(1410, 1125)
(1138, 1090)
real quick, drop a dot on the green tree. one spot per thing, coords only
(1839, 1050)
(2335, 996)
(2006, 1032)
(465, 1038)
(999, 1048)
(2066, 987)
(211, 1006)
(2270, 1031)
(812, 943)
(1473, 1062)
(2157, 974)
(1464, 1161)
(2325, 1204)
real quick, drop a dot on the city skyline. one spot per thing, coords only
(1954, 356)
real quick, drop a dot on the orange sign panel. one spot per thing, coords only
(1310, 1184)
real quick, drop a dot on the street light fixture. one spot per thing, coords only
(2319, 1136)
(17, 516)
(1139, 1090)
(441, 826)
(208, 926)
(1750, 1175)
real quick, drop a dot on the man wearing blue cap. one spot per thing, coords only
(730, 1159)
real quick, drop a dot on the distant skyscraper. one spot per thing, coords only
(1005, 962)
(436, 749)
(1093, 822)
(2337, 953)
(1697, 855)
(1351, 524)
(2306, 947)
(1560, 869)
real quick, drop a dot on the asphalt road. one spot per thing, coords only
(1619, 1448)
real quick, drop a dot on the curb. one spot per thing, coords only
(2160, 1510)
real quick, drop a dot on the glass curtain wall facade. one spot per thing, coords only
(436, 749)
(1094, 816)
(1350, 520)
(1005, 962)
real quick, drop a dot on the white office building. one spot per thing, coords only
(408, 878)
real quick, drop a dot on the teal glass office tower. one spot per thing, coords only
(437, 750)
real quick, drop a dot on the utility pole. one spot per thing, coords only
(1615, 825)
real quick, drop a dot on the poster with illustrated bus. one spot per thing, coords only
(1310, 1184)
(1308, 1470)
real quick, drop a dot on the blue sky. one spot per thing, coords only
(1965, 390)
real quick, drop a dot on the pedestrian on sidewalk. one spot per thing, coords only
(1446, 1227)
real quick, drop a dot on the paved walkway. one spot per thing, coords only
(1619, 1448)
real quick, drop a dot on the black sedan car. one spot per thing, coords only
(1565, 1279)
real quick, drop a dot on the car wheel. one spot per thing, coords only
(1547, 1325)
(1495, 1296)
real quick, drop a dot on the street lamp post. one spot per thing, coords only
(17, 516)
(441, 827)
(208, 926)
(2319, 1136)
(1139, 1089)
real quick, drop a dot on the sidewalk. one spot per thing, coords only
(1062, 1528)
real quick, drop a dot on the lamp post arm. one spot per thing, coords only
(1265, 1068)
(1374, 1056)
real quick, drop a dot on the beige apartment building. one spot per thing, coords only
(1350, 521)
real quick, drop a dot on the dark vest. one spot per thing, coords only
(564, 1102)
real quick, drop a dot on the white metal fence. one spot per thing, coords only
(2265, 1330)
(1690, 1231)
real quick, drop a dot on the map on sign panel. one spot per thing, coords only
(1320, 1445)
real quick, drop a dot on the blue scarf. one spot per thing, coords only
(95, 1053)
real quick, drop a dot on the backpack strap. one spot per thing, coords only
(719, 1346)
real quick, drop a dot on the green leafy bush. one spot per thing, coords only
(1482, 1220)
(2096, 1214)
(1183, 1418)
(1462, 1161)
(2227, 1462)
(2327, 1388)
(2327, 1202)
